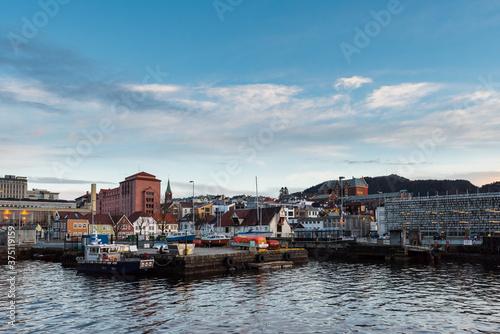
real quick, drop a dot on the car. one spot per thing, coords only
(384, 237)
(159, 246)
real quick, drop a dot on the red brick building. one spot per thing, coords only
(138, 192)
(351, 187)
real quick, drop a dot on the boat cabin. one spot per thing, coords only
(103, 252)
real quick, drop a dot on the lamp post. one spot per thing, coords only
(341, 199)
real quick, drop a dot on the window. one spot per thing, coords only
(75, 225)
(79, 225)
(84, 225)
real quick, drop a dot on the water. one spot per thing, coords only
(321, 297)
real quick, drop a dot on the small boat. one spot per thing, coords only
(214, 240)
(180, 236)
(110, 259)
(242, 241)
(252, 233)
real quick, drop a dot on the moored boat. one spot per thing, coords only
(180, 236)
(242, 241)
(254, 233)
(215, 240)
(110, 259)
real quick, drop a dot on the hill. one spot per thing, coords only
(394, 183)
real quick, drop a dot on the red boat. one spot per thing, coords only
(259, 242)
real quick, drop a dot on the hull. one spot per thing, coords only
(217, 242)
(179, 238)
(265, 234)
(130, 267)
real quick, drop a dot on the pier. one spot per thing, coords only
(202, 261)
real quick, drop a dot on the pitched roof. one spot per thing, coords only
(168, 218)
(250, 216)
(71, 215)
(100, 218)
(136, 215)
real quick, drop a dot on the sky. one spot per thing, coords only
(221, 92)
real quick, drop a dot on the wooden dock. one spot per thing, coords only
(274, 265)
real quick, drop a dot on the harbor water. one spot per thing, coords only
(320, 297)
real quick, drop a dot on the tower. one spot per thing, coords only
(168, 193)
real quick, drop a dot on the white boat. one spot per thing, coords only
(215, 240)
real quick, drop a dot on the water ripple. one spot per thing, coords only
(321, 297)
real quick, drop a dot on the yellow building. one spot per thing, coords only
(204, 210)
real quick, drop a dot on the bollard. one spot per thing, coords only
(435, 244)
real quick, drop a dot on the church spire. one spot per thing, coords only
(168, 192)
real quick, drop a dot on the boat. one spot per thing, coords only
(214, 240)
(180, 236)
(260, 232)
(242, 241)
(111, 259)
(252, 233)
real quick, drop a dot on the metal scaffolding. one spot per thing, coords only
(450, 214)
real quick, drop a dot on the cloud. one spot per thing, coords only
(36, 133)
(351, 83)
(400, 96)
(55, 180)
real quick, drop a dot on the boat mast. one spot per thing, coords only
(257, 193)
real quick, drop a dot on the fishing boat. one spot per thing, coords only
(111, 259)
(258, 242)
(214, 240)
(180, 236)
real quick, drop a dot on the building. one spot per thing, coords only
(69, 224)
(168, 193)
(102, 224)
(108, 201)
(167, 224)
(83, 201)
(451, 215)
(44, 194)
(138, 192)
(351, 187)
(268, 219)
(143, 223)
(123, 228)
(12, 186)
(29, 211)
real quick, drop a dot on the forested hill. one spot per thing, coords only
(393, 183)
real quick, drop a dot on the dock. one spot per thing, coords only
(202, 261)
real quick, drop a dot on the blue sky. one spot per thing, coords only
(294, 92)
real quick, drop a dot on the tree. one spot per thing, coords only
(283, 192)
(142, 223)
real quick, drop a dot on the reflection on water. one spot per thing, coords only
(333, 297)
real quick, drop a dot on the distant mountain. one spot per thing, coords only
(394, 183)
(490, 188)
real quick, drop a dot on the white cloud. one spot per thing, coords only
(154, 88)
(400, 95)
(351, 83)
